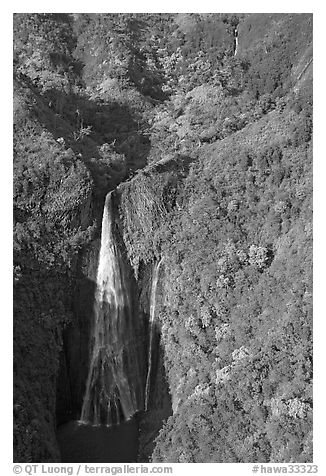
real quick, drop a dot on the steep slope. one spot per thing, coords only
(53, 219)
(236, 314)
(235, 233)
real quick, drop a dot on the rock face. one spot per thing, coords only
(74, 359)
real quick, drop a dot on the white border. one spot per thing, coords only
(319, 197)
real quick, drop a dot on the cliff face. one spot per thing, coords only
(75, 353)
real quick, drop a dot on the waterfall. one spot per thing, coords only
(113, 387)
(236, 41)
(151, 329)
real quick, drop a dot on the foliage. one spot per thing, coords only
(236, 323)
(52, 189)
(43, 48)
(274, 50)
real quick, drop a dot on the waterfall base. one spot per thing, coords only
(81, 443)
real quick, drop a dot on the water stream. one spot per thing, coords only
(151, 330)
(236, 41)
(114, 384)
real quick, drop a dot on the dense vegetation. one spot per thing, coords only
(224, 195)
(237, 309)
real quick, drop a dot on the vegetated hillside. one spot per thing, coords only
(236, 236)
(224, 196)
(236, 320)
(52, 200)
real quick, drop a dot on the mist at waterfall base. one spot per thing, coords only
(115, 391)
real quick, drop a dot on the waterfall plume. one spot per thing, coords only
(114, 382)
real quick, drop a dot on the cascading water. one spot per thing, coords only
(236, 41)
(151, 329)
(114, 383)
